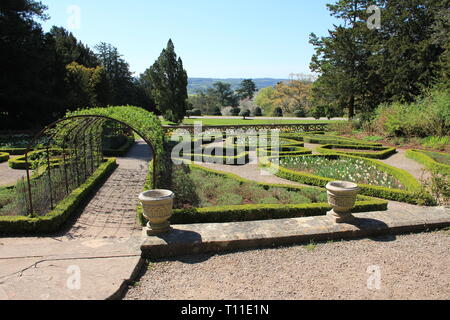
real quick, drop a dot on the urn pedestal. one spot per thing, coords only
(157, 208)
(342, 197)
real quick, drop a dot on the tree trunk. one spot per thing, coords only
(351, 108)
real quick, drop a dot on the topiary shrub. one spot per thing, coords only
(257, 112)
(299, 113)
(278, 112)
(196, 113)
(235, 112)
(217, 112)
(245, 113)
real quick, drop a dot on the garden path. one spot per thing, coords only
(9, 176)
(95, 256)
(112, 211)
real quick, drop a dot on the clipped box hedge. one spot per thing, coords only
(19, 163)
(380, 152)
(242, 158)
(409, 195)
(428, 162)
(14, 151)
(4, 157)
(122, 150)
(284, 150)
(52, 221)
(224, 214)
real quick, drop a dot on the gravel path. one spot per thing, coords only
(9, 176)
(399, 160)
(411, 267)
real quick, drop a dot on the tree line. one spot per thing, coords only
(44, 75)
(360, 67)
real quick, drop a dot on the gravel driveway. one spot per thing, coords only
(410, 267)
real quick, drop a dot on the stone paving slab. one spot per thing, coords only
(44, 269)
(201, 238)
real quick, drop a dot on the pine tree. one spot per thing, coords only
(168, 81)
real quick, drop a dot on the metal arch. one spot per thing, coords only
(69, 119)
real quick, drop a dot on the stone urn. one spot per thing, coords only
(342, 197)
(157, 208)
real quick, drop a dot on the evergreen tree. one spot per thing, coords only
(168, 82)
(246, 89)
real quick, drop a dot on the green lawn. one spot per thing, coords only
(225, 122)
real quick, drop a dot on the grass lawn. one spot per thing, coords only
(225, 122)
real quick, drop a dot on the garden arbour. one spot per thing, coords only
(67, 152)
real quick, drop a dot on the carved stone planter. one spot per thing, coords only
(158, 208)
(342, 197)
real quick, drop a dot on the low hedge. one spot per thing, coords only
(252, 212)
(409, 195)
(19, 163)
(428, 162)
(4, 157)
(14, 151)
(233, 141)
(122, 150)
(284, 150)
(242, 158)
(328, 139)
(51, 222)
(380, 152)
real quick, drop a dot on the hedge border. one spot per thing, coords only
(328, 139)
(14, 151)
(19, 163)
(4, 156)
(408, 196)
(383, 153)
(53, 220)
(226, 214)
(428, 162)
(122, 151)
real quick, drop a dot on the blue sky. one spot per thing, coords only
(220, 39)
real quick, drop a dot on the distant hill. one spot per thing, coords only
(205, 83)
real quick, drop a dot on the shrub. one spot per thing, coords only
(278, 112)
(438, 143)
(428, 116)
(235, 111)
(245, 113)
(299, 113)
(217, 112)
(196, 113)
(258, 112)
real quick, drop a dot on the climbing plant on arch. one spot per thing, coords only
(71, 150)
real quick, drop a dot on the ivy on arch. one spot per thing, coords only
(81, 131)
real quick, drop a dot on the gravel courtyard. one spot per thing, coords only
(413, 266)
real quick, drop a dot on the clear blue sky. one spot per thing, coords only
(220, 39)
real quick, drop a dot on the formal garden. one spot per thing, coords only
(64, 164)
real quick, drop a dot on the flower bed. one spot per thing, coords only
(373, 152)
(210, 196)
(410, 187)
